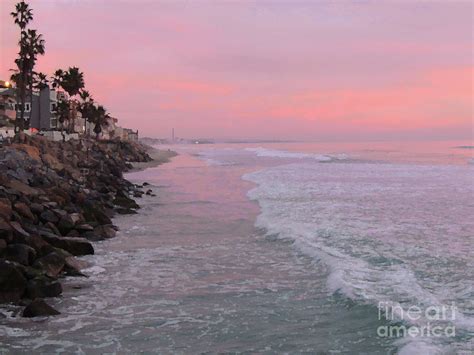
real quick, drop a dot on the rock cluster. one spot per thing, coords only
(55, 199)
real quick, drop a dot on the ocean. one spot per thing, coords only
(331, 248)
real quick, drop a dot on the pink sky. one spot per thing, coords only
(266, 69)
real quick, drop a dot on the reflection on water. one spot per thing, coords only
(190, 274)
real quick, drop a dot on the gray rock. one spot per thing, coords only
(18, 229)
(42, 287)
(5, 208)
(36, 208)
(39, 308)
(65, 225)
(20, 253)
(52, 264)
(75, 246)
(49, 216)
(24, 210)
(12, 282)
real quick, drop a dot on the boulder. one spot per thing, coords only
(20, 253)
(39, 308)
(42, 287)
(18, 229)
(74, 234)
(60, 212)
(105, 232)
(6, 230)
(36, 208)
(53, 228)
(125, 202)
(65, 225)
(94, 213)
(85, 227)
(49, 216)
(52, 264)
(22, 188)
(76, 218)
(12, 282)
(75, 246)
(39, 245)
(30, 272)
(52, 163)
(24, 211)
(30, 150)
(74, 266)
(121, 210)
(5, 208)
(3, 245)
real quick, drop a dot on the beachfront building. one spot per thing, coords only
(110, 130)
(39, 109)
(7, 107)
(130, 135)
(41, 112)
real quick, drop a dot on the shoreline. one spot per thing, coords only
(158, 156)
(56, 200)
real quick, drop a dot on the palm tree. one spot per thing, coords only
(100, 119)
(86, 107)
(62, 113)
(40, 83)
(71, 81)
(57, 78)
(22, 15)
(34, 44)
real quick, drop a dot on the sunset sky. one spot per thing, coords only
(266, 69)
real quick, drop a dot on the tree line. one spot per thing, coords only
(31, 46)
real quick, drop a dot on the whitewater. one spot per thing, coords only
(278, 248)
(395, 233)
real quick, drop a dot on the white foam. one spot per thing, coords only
(6, 331)
(378, 227)
(273, 153)
(94, 270)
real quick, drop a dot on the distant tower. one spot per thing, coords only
(172, 134)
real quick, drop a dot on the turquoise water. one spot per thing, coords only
(276, 248)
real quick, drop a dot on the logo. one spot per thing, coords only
(416, 321)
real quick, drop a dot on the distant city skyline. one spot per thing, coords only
(266, 70)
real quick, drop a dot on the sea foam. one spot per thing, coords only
(273, 153)
(389, 233)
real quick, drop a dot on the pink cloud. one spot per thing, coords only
(266, 70)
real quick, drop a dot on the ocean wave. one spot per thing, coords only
(216, 162)
(360, 221)
(273, 153)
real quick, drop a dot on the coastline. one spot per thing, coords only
(158, 156)
(56, 200)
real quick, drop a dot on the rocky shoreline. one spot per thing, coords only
(56, 199)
